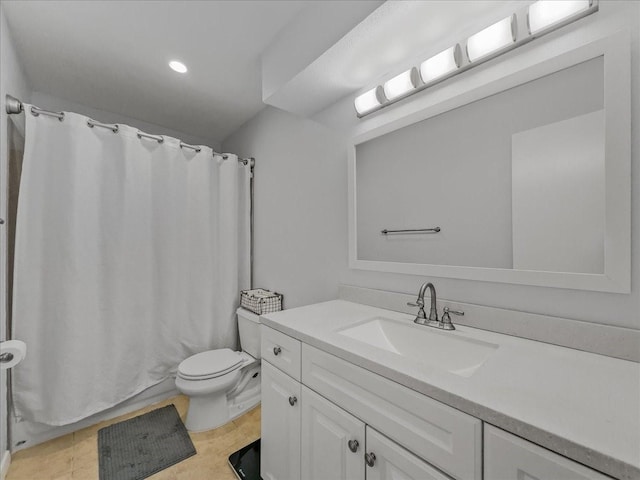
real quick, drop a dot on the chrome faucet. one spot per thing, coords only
(432, 321)
(421, 318)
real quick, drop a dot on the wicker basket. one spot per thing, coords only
(261, 301)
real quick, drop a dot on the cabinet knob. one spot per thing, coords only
(292, 401)
(353, 445)
(370, 459)
(276, 351)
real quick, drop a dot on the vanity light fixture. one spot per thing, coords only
(542, 17)
(498, 36)
(400, 85)
(441, 64)
(178, 66)
(547, 13)
(369, 100)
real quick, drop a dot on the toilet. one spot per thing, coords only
(222, 384)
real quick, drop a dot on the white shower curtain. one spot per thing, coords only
(129, 257)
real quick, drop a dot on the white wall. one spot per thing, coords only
(50, 102)
(300, 200)
(14, 82)
(299, 175)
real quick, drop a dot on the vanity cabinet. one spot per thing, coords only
(508, 457)
(326, 418)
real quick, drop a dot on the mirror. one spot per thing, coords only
(514, 186)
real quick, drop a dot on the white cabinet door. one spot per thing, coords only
(332, 440)
(386, 460)
(280, 444)
(507, 457)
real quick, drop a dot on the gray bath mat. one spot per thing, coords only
(139, 447)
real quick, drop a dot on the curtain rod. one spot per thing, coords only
(15, 106)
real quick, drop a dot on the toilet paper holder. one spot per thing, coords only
(12, 352)
(5, 357)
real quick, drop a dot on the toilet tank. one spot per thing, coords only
(249, 328)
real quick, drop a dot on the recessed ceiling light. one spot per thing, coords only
(178, 66)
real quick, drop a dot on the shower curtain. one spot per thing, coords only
(129, 258)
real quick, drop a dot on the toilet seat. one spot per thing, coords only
(210, 364)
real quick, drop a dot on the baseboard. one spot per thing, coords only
(4, 464)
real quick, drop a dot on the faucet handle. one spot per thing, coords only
(446, 318)
(421, 316)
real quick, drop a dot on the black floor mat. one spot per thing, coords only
(139, 447)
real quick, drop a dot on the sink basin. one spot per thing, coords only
(446, 350)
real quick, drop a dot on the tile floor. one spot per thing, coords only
(75, 456)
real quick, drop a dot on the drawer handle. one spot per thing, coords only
(370, 458)
(292, 401)
(353, 445)
(276, 351)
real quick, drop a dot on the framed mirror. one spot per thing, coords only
(524, 181)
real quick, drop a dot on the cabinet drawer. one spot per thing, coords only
(281, 351)
(441, 435)
(507, 457)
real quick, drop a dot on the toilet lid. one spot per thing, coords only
(213, 363)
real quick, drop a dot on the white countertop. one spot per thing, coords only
(578, 404)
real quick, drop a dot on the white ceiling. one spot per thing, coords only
(112, 55)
